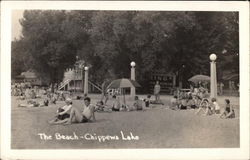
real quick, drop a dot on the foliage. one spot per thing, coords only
(178, 42)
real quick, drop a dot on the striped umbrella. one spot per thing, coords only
(123, 83)
(199, 78)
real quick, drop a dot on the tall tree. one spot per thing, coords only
(52, 44)
(108, 41)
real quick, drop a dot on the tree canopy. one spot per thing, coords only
(109, 40)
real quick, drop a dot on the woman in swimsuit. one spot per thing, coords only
(63, 113)
(229, 111)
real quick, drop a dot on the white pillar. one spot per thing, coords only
(213, 77)
(86, 80)
(82, 70)
(132, 89)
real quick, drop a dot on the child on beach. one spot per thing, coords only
(183, 105)
(174, 103)
(215, 106)
(137, 104)
(147, 101)
(228, 111)
(116, 104)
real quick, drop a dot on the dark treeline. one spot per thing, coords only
(109, 40)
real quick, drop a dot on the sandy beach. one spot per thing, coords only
(156, 127)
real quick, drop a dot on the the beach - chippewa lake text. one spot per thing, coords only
(125, 136)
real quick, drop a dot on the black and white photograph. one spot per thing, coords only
(126, 79)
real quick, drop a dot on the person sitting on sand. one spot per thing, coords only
(116, 104)
(27, 93)
(208, 110)
(147, 101)
(100, 107)
(137, 104)
(63, 113)
(86, 115)
(197, 101)
(174, 103)
(125, 107)
(191, 102)
(53, 98)
(228, 111)
(204, 107)
(215, 106)
(32, 94)
(183, 105)
(46, 102)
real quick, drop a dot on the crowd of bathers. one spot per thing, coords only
(198, 99)
(31, 94)
(66, 114)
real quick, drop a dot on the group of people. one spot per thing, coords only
(118, 106)
(69, 113)
(32, 95)
(198, 99)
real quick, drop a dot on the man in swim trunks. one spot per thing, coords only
(82, 117)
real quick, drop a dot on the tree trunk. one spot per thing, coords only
(52, 87)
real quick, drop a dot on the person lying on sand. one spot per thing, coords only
(86, 115)
(136, 106)
(63, 113)
(100, 107)
(32, 103)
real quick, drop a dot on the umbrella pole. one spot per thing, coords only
(123, 91)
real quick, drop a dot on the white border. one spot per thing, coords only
(219, 153)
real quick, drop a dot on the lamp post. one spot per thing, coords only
(213, 77)
(132, 89)
(86, 80)
(75, 79)
(80, 68)
(75, 73)
(180, 76)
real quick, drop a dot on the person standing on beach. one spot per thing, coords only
(105, 95)
(221, 88)
(157, 89)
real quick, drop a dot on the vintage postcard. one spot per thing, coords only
(124, 80)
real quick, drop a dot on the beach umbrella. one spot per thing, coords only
(199, 78)
(123, 83)
(231, 77)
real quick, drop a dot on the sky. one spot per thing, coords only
(16, 28)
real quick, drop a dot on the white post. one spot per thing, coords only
(132, 89)
(82, 70)
(213, 77)
(86, 80)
